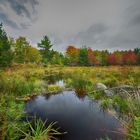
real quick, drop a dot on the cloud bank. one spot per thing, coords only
(99, 24)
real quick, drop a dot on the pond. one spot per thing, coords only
(79, 116)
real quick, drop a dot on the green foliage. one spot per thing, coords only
(83, 57)
(45, 46)
(5, 49)
(21, 50)
(34, 55)
(134, 130)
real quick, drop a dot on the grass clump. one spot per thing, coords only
(81, 84)
(105, 104)
(39, 130)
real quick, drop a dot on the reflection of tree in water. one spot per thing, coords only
(47, 96)
(80, 94)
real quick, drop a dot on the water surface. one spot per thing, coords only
(80, 116)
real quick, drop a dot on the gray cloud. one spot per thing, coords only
(19, 7)
(4, 19)
(22, 8)
(129, 33)
(25, 25)
(100, 24)
(136, 20)
(95, 34)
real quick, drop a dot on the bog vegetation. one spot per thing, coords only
(25, 71)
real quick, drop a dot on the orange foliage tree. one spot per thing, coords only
(72, 54)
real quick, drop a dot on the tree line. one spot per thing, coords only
(85, 56)
(20, 51)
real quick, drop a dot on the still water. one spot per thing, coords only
(79, 116)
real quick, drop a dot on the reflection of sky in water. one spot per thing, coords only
(59, 83)
(81, 117)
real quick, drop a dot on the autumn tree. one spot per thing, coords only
(129, 58)
(72, 54)
(119, 57)
(5, 49)
(98, 56)
(91, 58)
(112, 59)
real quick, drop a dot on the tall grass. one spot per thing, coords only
(11, 113)
(39, 130)
(133, 101)
(19, 84)
(81, 84)
(15, 83)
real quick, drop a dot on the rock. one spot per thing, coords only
(109, 92)
(118, 90)
(101, 86)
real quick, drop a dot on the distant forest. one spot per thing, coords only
(20, 51)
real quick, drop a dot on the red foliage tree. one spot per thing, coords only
(129, 58)
(91, 58)
(112, 59)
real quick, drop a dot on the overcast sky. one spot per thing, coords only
(99, 24)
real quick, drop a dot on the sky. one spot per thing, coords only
(99, 24)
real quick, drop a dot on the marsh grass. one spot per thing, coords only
(81, 84)
(24, 80)
(133, 102)
(120, 104)
(54, 88)
(13, 83)
(131, 105)
(134, 129)
(11, 113)
(39, 130)
(106, 104)
(19, 85)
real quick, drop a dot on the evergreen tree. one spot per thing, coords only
(83, 57)
(5, 49)
(45, 46)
